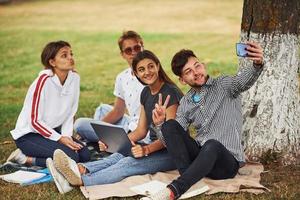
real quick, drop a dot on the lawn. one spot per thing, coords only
(209, 28)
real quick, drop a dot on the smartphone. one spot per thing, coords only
(241, 49)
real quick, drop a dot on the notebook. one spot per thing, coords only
(155, 186)
(114, 137)
(22, 176)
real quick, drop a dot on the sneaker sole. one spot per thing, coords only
(61, 163)
(53, 172)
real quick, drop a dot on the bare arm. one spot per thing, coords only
(171, 112)
(141, 151)
(141, 130)
(117, 112)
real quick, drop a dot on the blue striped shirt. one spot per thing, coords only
(215, 109)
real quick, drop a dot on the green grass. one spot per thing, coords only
(209, 28)
(98, 61)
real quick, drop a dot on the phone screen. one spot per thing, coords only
(241, 49)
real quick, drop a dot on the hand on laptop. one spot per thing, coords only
(102, 146)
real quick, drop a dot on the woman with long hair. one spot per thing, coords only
(146, 158)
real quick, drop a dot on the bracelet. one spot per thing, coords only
(158, 126)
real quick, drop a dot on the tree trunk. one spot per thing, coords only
(271, 108)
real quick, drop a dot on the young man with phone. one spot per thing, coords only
(213, 106)
(127, 91)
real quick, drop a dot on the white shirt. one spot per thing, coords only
(128, 88)
(48, 105)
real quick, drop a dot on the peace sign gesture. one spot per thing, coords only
(159, 112)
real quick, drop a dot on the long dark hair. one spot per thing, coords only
(150, 55)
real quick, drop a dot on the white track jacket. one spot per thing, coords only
(48, 105)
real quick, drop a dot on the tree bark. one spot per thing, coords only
(271, 108)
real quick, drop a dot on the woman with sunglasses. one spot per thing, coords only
(147, 158)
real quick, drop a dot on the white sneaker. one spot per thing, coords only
(61, 183)
(163, 194)
(17, 157)
(67, 167)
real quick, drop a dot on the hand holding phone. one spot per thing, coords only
(241, 49)
(253, 51)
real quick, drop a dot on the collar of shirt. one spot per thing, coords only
(200, 90)
(65, 88)
(209, 81)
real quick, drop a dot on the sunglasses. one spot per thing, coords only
(129, 50)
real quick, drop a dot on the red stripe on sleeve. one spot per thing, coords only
(35, 106)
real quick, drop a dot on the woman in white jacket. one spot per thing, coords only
(46, 120)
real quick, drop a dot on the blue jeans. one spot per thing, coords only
(116, 167)
(83, 125)
(36, 146)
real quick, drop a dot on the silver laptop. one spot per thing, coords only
(114, 137)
